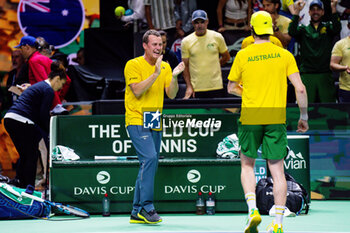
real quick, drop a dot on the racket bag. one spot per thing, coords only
(14, 207)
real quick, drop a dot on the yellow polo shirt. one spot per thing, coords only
(137, 70)
(204, 63)
(342, 49)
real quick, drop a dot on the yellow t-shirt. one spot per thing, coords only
(263, 68)
(286, 4)
(204, 63)
(342, 49)
(137, 70)
(250, 40)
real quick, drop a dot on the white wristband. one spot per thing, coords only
(304, 117)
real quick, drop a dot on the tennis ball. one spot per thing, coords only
(119, 11)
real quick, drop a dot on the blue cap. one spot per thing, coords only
(27, 40)
(318, 3)
(199, 14)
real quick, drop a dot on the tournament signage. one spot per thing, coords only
(190, 140)
(184, 135)
(297, 162)
(58, 21)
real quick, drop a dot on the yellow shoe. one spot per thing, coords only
(254, 219)
(135, 219)
(274, 228)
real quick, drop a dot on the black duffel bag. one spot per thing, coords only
(297, 196)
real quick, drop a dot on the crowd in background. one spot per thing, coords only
(310, 31)
(174, 19)
(319, 28)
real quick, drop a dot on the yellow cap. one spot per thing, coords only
(261, 21)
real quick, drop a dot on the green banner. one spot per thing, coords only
(184, 135)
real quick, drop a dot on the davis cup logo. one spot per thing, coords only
(58, 21)
(103, 177)
(193, 176)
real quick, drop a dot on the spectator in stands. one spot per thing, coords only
(183, 17)
(287, 8)
(343, 8)
(44, 47)
(257, 5)
(168, 55)
(28, 118)
(137, 8)
(60, 57)
(200, 52)
(160, 16)
(147, 78)
(38, 64)
(316, 41)
(80, 59)
(39, 67)
(16, 76)
(263, 68)
(280, 22)
(237, 14)
(340, 62)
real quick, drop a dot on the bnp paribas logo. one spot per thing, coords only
(193, 176)
(103, 177)
(294, 161)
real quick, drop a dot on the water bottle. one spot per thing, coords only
(105, 206)
(200, 206)
(210, 203)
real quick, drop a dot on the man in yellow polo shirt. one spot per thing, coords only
(340, 62)
(204, 52)
(147, 77)
(263, 68)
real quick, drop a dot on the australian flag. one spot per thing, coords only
(58, 21)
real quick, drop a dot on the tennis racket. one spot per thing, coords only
(66, 209)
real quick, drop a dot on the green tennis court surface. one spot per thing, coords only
(324, 216)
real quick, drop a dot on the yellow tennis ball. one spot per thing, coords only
(119, 11)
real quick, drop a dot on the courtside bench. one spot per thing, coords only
(189, 164)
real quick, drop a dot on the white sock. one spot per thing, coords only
(251, 201)
(279, 214)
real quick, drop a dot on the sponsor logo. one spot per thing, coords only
(115, 190)
(103, 177)
(151, 120)
(294, 161)
(188, 189)
(193, 176)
